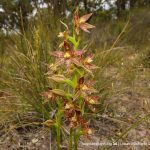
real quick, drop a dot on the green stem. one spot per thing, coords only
(75, 140)
(58, 137)
(58, 127)
(70, 139)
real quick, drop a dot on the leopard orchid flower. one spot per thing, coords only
(85, 87)
(68, 56)
(80, 22)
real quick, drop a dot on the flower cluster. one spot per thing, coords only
(71, 72)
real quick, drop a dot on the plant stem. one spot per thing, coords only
(75, 139)
(58, 127)
(70, 139)
(58, 137)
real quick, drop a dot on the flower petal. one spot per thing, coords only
(79, 52)
(93, 100)
(84, 18)
(87, 131)
(66, 46)
(76, 17)
(58, 54)
(49, 123)
(58, 78)
(86, 26)
(76, 62)
(68, 62)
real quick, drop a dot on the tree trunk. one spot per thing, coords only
(132, 3)
(85, 5)
(121, 6)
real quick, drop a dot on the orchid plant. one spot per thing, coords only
(73, 94)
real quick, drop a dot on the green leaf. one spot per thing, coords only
(59, 92)
(69, 96)
(62, 79)
(80, 72)
(69, 82)
(62, 93)
(75, 81)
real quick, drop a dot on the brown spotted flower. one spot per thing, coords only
(48, 95)
(64, 34)
(85, 91)
(73, 114)
(85, 88)
(80, 22)
(52, 94)
(87, 63)
(68, 56)
(92, 100)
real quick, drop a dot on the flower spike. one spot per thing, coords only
(72, 94)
